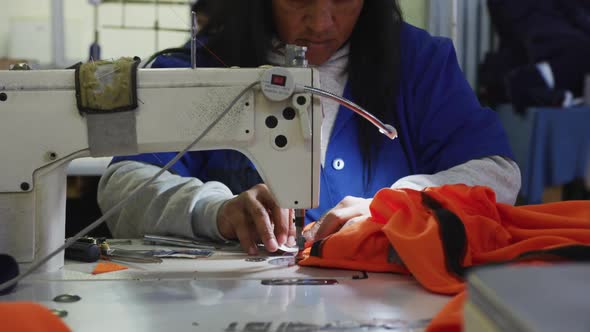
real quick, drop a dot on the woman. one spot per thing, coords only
(365, 52)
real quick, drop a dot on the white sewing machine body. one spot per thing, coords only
(42, 131)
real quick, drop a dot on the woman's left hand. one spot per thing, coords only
(350, 210)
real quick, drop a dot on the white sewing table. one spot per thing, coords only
(227, 293)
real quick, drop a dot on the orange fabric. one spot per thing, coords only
(494, 232)
(367, 252)
(29, 317)
(105, 267)
(450, 318)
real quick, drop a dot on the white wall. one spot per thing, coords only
(25, 9)
(415, 12)
(25, 28)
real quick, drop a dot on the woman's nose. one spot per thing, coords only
(319, 16)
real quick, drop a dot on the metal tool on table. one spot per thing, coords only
(191, 243)
(126, 255)
(133, 256)
(90, 249)
(180, 253)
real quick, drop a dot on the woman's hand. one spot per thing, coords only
(252, 217)
(348, 211)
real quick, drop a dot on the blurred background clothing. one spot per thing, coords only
(542, 54)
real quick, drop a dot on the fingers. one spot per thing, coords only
(282, 234)
(247, 240)
(349, 209)
(280, 219)
(332, 221)
(355, 220)
(254, 215)
(232, 224)
(327, 227)
(266, 218)
(264, 229)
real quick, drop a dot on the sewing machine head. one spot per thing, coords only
(272, 124)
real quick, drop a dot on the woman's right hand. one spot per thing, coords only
(252, 217)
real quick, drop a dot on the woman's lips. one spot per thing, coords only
(315, 43)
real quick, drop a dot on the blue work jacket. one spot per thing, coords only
(440, 125)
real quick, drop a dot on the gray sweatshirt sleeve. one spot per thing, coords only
(172, 205)
(499, 173)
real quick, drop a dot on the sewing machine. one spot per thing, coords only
(43, 130)
(228, 291)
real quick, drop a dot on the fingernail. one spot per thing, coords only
(291, 241)
(273, 243)
(281, 239)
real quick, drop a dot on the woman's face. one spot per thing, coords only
(321, 25)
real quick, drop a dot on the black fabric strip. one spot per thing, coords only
(316, 248)
(452, 235)
(576, 252)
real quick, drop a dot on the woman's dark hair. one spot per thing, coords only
(202, 7)
(243, 34)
